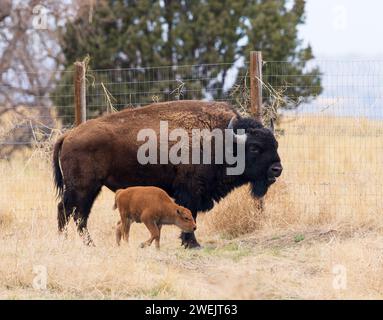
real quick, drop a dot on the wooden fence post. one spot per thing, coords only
(79, 93)
(256, 84)
(256, 97)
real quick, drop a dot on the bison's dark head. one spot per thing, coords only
(263, 164)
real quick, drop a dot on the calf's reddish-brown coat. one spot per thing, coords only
(153, 207)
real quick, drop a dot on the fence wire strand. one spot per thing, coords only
(330, 132)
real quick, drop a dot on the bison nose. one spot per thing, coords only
(276, 170)
(195, 228)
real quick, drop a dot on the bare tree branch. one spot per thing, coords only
(5, 9)
(30, 58)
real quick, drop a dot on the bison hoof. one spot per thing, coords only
(89, 242)
(191, 245)
(189, 241)
(142, 245)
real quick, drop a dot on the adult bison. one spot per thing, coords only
(103, 152)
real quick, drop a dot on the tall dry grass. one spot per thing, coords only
(324, 211)
(332, 175)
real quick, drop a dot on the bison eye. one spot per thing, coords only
(254, 149)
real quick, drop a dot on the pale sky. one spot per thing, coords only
(344, 28)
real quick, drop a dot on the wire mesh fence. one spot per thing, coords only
(331, 141)
(330, 132)
(347, 88)
(117, 89)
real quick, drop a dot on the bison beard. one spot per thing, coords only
(259, 189)
(103, 152)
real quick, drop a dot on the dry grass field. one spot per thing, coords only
(319, 237)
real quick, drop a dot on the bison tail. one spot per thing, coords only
(58, 177)
(115, 198)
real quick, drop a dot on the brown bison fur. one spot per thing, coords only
(103, 152)
(153, 207)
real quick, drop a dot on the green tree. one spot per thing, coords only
(142, 33)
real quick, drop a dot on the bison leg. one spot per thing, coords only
(84, 204)
(188, 239)
(63, 216)
(65, 209)
(82, 229)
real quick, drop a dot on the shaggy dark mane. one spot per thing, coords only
(247, 123)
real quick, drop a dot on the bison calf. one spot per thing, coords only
(153, 207)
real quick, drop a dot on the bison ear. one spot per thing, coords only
(241, 138)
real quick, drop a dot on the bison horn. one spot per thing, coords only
(271, 125)
(241, 138)
(230, 126)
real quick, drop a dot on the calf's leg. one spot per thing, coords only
(159, 236)
(125, 227)
(154, 232)
(118, 232)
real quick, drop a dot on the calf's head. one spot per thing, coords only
(184, 219)
(262, 162)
